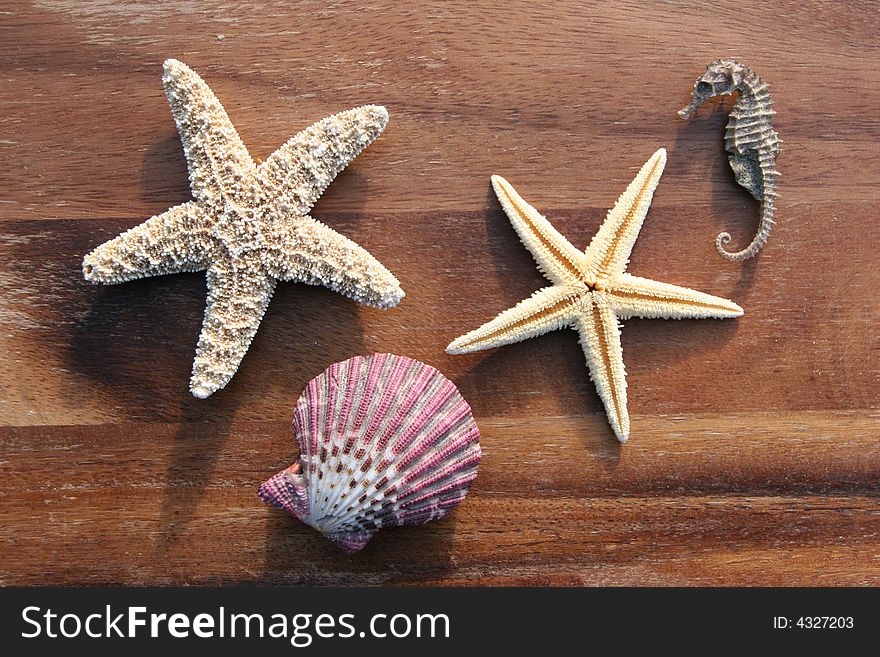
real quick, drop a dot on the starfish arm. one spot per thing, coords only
(600, 340)
(300, 170)
(631, 296)
(307, 251)
(610, 248)
(238, 294)
(557, 258)
(220, 167)
(177, 240)
(548, 309)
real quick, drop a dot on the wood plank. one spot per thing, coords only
(660, 541)
(85, 354)
(703, 504)
(555, 105)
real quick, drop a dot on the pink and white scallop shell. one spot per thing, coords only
(384, 440)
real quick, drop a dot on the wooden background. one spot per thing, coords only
(754, 456)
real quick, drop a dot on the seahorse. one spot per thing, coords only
(750, 141)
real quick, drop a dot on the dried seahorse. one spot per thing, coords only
(751, 143)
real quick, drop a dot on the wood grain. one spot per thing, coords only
(755, 450)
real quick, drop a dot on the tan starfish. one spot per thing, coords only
(248, 225)
(591, 290)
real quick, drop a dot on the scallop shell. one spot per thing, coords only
(384, 441)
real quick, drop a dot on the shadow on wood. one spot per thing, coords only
(297, 554)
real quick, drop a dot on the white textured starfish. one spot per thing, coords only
(591, 290)
(248, 225)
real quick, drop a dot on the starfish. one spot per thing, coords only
(248, 225)
(591, 290)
